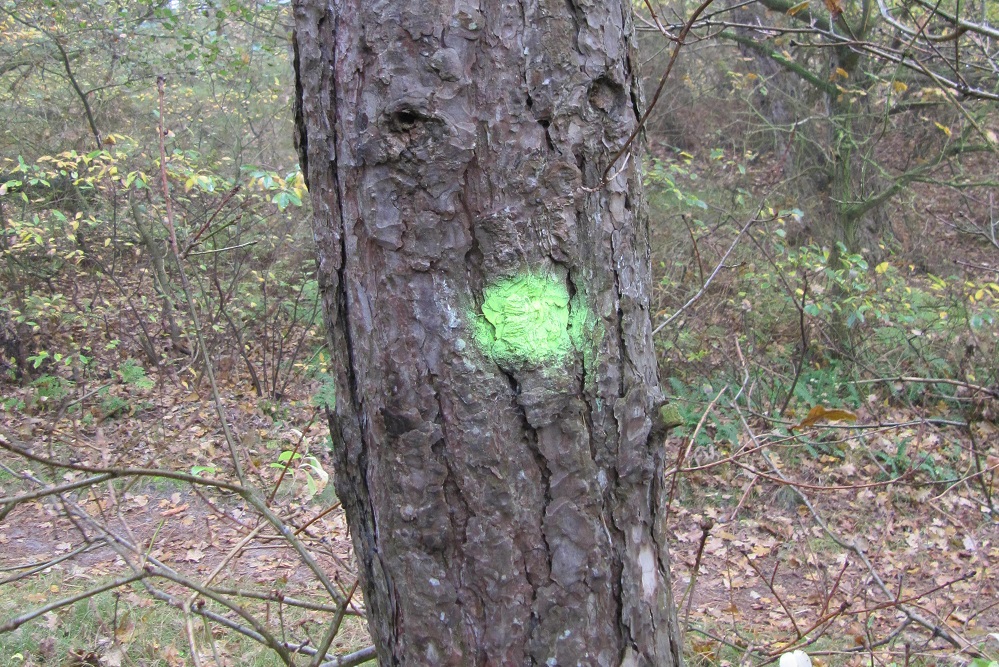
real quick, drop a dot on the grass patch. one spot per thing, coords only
(127, 627)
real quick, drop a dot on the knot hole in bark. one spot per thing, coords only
(607, 95)
(409, 126)
(404, 120)
(408, 118)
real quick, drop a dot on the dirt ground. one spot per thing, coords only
(865, 571)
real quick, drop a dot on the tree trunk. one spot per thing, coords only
(489, 327)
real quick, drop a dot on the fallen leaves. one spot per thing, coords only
(932, 539)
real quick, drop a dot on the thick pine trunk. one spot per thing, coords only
(500, 472)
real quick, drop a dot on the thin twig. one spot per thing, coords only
(688, 595)
(659, 90)
(11, 502)
(704, 287)
(276, 596)
(291, 459)
(189, 632)
(18, 621)
(334, 628)
(225, 561)
(32, 568)
(769, 583)
(353, 659)
(192, 308)
(991, 391)
(685, 451)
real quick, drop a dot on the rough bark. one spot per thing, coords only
(503, 511)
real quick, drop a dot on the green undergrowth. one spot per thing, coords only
(810, 333)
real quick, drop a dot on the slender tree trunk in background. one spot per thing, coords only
(489, 326)
(830, 154)
(161, 281)
(781, 98)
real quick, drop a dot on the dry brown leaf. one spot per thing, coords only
(175, 510)
(172, 656)
(125, 630)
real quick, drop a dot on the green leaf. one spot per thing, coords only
(287, 456)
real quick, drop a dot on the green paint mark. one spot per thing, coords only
(526, 319)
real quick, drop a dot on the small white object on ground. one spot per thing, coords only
(795, 659)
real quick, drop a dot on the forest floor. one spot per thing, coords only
(825, 554)
(869, 562)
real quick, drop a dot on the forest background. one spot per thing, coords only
(822, 186)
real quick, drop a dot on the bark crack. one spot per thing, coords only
(623, 359)
(343, 321)
(574, 15)
(454, 495)
(542, 464)
(450, 476)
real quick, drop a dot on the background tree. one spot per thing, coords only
(487, 300)
(833, 86)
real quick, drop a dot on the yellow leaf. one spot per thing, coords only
(943, 128)
(842, 72)
(899, 87)
(882, 267)
(814, 415)
(840, 416)
(797, 8)
(819, 413)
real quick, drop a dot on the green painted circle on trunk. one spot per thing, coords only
(525, 318)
